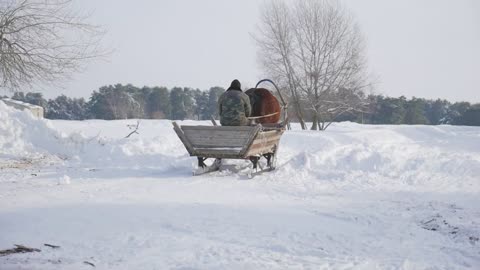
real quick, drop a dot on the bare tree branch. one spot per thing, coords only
(135, 129)
(44, 41)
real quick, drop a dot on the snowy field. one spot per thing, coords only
(353, 197)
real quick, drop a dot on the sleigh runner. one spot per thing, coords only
(230, 142)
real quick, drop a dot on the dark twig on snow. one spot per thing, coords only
(52, 246)
(135, 128)
(89, 263)
(18, 249)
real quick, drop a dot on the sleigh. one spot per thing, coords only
(252, 142)
(231, 142)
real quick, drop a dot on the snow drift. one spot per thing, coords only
(24, 136)
(431, 157)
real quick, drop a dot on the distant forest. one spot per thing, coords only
(127, 101)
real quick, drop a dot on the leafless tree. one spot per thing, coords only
(315, 50)
(43, 42)
(276, 41)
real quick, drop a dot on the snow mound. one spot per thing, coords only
(348, 154)
(437, 157)
(24, 136)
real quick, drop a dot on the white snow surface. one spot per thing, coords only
(352, 197)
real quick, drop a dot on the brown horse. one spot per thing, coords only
(264, 103)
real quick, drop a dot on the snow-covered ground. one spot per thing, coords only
(353, 197)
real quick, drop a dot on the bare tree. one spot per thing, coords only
(44, 41)
(315, 50)
(276, 41)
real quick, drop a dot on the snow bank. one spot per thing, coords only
(435, 157)
(24, 136)
(348, 154)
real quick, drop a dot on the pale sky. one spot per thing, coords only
(422, 48)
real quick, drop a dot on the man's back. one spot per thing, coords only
(234, 107)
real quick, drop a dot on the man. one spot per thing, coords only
(234, 106)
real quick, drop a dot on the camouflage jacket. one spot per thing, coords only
(234, 108)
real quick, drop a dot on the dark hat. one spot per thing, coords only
(235, 85)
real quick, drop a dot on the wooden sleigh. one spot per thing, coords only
(231, 142)
(239, 142)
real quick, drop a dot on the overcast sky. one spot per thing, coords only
(422, 48)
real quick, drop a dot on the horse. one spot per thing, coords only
(264, 103)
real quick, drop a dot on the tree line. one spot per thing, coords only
(416, 111)
(127, 101)
(178, 103)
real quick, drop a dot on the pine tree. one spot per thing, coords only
(158, 103)
(212, 106)
(415, 113)
(178, 106)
